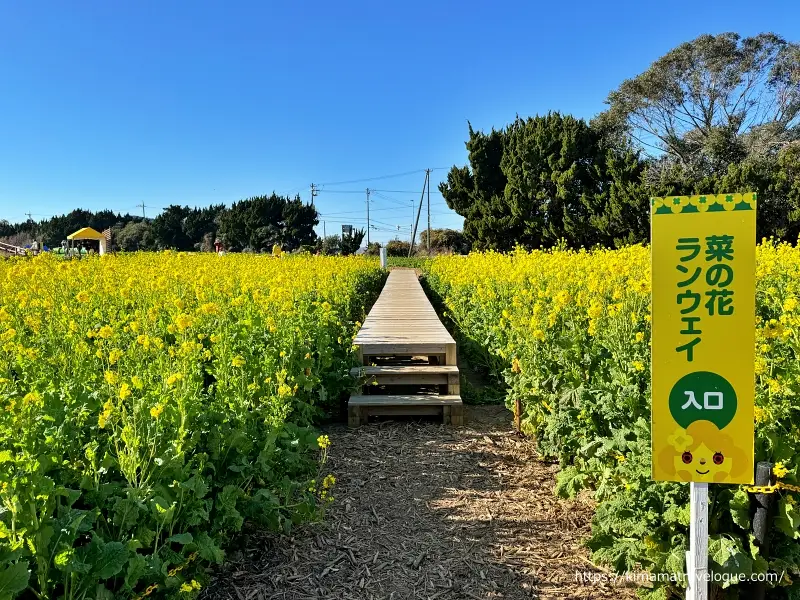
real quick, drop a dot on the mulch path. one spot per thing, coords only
(427, 512)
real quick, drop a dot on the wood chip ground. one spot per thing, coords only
(427, 512)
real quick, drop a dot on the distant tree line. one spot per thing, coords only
(254, 224)
(717, 114)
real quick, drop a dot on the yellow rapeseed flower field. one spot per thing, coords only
(569, 332)
(150, 403)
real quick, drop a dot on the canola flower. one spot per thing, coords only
(151, 391)
(570, 331)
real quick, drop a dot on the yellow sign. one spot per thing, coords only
(703, 253)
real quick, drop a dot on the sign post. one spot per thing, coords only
(703, 352)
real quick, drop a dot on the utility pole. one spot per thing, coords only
(314, 193)
(30, 216)
(324, 232)
(428, 171)
(419, 210)
(367, 217)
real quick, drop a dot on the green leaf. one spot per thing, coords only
(196, 485)
(103, 593)
(729, 558)
(740, 509)
(13, 580)
(113, 557)
(137, 567)
(788, 519)
(569, 482)
(208, 550)
(181, 538)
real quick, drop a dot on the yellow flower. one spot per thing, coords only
(82, 296)
(8, 335)
(114, 355)
(284, 390)
(111, 377)
(238, 361)
(105, 332)
(515, 368)
(638, 365)
(124, 391)
(779, 470)
(137, 382)
(32, 399)
(156, 410)
(329, 481)
(183, 321)
(323, 441)
(174, 378)
(639, 336)
(143, 340)
(192, 586)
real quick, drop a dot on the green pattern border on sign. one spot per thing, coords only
(659, 205)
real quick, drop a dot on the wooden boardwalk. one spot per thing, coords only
(403, 345)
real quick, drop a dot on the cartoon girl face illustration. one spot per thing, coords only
(702, 452)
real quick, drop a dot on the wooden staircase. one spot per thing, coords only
(408, 358)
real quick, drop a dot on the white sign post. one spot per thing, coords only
(383, 257)
(697, 556)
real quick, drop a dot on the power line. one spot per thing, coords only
(352, 212)
(373, 178)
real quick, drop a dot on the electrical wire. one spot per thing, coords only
(374, 178)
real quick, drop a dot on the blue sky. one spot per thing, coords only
(108, 104)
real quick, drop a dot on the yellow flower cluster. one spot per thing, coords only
(150, 361)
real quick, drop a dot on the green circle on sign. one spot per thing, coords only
(702, 396)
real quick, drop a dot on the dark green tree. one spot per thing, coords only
(260, 222)
(561, 180)
(135, 235)
(299, 220)
(351, 242)
(168, 228)
(476, 193)
(201, 222)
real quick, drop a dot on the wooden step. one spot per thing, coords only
(408, 374)
(360, 408)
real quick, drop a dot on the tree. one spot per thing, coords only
(201, 223)
(331, 245)
(713, 101)
(168, 228)
(476, 192)
(561, 178)
(299, 221)
(397, 247)
(444, 240)
(351, 242)
(136, 235)
(260, 222)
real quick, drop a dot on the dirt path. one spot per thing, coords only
(424, 512)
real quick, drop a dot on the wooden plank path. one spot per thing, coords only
(404, 334)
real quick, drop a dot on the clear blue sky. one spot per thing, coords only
(108, 104)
